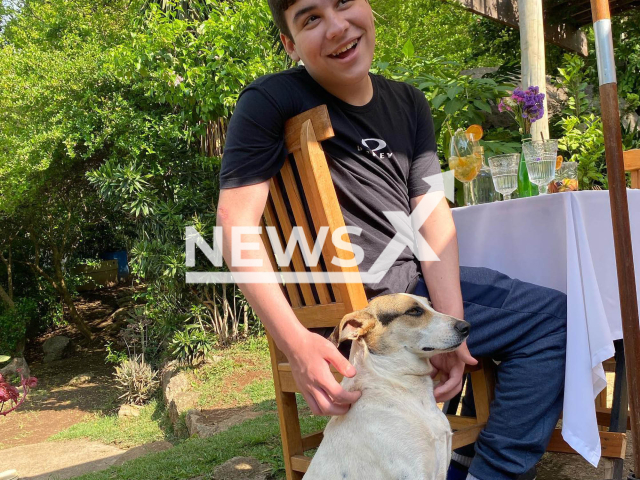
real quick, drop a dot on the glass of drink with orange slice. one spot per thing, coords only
(465, 158)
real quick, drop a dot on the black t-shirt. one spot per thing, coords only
(378, 157)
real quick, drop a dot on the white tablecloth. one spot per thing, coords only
(562, 241)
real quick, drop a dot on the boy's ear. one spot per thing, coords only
(290, 47)
(352, 327)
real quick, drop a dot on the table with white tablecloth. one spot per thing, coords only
(562, 241)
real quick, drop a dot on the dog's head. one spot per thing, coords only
(402, 322)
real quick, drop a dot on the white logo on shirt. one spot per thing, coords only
(381, 143)
(378, 144)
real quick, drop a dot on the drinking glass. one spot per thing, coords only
(465, 159)
(540, 157)
(566, 178)
(504, 170)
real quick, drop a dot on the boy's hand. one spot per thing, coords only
(451, 368)
(310, 359)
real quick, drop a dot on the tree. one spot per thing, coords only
(6, 257)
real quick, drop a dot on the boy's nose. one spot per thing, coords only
(337, 25)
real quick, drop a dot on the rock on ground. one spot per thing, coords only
(70, 458)
(129, 411)
(17, 366)
(56, 348)
(177, 393)
(80, 379)
(199, 424)
(241, 468)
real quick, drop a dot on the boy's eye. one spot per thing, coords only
(310, 19)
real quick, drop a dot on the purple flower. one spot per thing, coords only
(525, 106)
(533, 108)
(518, 95)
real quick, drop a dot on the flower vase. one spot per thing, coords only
(525, 187)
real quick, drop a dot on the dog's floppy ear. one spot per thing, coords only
(352, 326)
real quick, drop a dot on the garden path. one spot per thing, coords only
(60, 400)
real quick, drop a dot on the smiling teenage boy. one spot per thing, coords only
(384, 146)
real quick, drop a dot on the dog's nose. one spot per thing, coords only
(462, 327)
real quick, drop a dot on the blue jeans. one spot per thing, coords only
(524, 326)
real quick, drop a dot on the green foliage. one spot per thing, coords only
(496, 43)
(494, 40)
(114, 356)
(197, 67)
(419, 24)
(572, 79)
(53, 94)
(583, 142)
(184, 73)
(13, 324)
(456, 100)
(626, 34)
(191, 345)
(582, 138)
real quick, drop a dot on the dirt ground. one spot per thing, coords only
(562, 466)
(69, 458)
(57, 403)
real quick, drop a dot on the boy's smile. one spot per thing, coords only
(335, 39)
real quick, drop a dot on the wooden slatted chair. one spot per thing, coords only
(303, 195)
(632, 165)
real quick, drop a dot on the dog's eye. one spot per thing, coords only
(414, 312)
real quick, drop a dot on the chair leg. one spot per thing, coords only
(620, 407)
(287, 416)
(601, 401)
(290, 433)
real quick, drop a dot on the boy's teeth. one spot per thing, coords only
(345, 48)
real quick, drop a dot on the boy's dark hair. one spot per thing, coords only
(278, 8)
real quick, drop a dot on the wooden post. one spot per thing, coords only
(619, 212)
(533, 59)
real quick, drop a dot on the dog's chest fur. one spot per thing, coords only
(395, 431)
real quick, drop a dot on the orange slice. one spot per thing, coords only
(476, 131)
(559, 160)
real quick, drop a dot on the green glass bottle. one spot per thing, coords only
(525, 187)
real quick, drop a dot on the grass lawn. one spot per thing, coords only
(152, 425)
(259, 438)
(241, 377)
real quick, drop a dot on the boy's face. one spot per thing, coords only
(323, 28)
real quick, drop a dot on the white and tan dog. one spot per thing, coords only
(395, 431)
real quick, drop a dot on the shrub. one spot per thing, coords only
(114, 356)
(191, 345)
(13, 324)
(137, 379)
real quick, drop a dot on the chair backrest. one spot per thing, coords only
(303, 195)
(632, 164)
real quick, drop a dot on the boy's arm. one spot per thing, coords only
(443, 283)
(308, 353)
